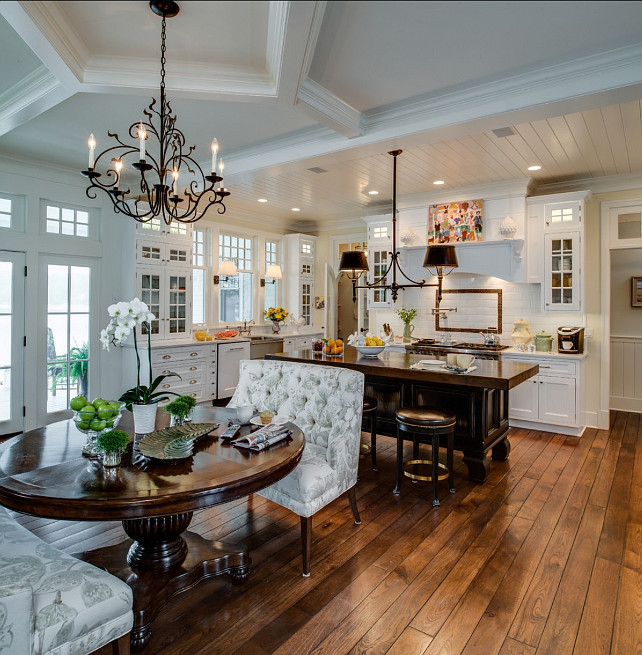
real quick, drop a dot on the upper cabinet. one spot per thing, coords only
(379, 248)
(555, 239)
(301, 252)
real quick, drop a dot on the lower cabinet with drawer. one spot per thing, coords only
(549, 401)
(229, 356)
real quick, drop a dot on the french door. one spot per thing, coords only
(12, 316)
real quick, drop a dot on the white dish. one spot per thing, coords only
(370, 351)
(278, 420)
(432, 362)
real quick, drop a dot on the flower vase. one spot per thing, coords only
(144, 418)
(276, 327)
(112, 458)
(407, 331)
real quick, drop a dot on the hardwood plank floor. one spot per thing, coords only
(545, 558)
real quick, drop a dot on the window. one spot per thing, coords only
(199, 276)
(5, 212)
(271, 286)
(66, 221)
(236, 293)
(68, 353)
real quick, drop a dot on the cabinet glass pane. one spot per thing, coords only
(306, 302)
(568, 263)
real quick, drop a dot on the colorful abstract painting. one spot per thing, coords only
(455, 222)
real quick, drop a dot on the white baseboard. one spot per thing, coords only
(622, 404)
(591, 420)
(547, 427)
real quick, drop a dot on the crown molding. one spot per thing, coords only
(605, 184)
(330, 110)
(277, 28)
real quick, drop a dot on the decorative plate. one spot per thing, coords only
(276, 419)
(432, 362)
(173, 443)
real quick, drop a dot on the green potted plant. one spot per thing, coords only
(180, 409)
(79, 367)
(142, 400)
(112, 443)
(406, 315)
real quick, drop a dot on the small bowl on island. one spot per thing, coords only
(370, 351)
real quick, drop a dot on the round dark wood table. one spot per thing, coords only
(43, 473)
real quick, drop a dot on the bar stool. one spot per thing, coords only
(370, 412)
(426, 425)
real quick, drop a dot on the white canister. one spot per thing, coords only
(521, 333)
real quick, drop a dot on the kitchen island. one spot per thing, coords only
(479, 399)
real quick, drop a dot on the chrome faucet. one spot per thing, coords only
(247, 328)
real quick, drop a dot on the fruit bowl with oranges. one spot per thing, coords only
(94, 418)
(332, 348)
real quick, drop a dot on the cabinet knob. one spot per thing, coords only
(193, 381)
(167, 356)
(193, 354)
(166, 372)
(166, 386)
(193, 368)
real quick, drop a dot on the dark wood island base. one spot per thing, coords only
(478, 399)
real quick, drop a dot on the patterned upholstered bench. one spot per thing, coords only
(326, 402)
(52, 603)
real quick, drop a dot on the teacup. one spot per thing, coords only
(244, 414)
(465, 361)
(451, 359)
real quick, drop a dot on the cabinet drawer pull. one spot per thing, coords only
(193, 354)
(193, 381)
(167, 356)
(544, 366)
(166, 386)
(236, 349)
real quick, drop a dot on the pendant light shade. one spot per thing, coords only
(353, 263)
(440, 257)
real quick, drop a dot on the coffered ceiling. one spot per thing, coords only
(291, 86)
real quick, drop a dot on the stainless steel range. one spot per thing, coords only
(431, 347)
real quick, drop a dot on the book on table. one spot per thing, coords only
(264, 437)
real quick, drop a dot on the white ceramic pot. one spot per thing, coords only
(144, 418)
(521, 334)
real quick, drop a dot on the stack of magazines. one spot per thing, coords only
(264, 437)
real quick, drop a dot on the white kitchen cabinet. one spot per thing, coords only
(154, 251)
(300, 250)
(157, 228)
(289, 344)
(379, 248)
(229, 356)
(550, 400)
(168, 294)
(562, 283)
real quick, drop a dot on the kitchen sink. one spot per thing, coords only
(262, 338)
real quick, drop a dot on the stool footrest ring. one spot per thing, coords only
(425, 478)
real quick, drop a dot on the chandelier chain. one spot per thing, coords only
(163, 60)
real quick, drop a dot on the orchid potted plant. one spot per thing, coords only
(125, 317)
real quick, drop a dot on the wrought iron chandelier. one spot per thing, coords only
(159, 174)
(440, 260)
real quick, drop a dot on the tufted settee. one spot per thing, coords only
(54, 604)
(326, 403)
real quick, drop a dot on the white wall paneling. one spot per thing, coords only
(626, 374)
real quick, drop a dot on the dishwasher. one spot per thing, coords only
(261, 346)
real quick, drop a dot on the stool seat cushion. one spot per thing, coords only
(369, 404)
(426, 417)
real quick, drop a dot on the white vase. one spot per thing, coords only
(144, 418)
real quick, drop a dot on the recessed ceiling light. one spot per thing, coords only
(373, 193)
(262, 199)
(295, 209)
(438, 182)
(534, 168)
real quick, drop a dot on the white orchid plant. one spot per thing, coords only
(125, 317)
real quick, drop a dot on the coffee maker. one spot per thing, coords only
(570, 340)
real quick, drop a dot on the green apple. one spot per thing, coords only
(115, 406)
(109, 423)
(98, 424)
(77, 403)
(104, 411)
(87, 412)
(97, 402)
(83, 425)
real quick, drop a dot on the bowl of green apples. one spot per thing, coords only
(94, 418)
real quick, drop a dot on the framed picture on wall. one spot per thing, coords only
(455, 222)
(636, 291)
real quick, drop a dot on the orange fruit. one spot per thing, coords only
(330, 343)
(339, 349)
(339, 342)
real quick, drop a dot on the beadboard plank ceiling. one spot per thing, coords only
(287, 87)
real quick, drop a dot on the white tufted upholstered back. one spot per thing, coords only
(324, 401)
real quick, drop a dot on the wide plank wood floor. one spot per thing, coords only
(546, 558)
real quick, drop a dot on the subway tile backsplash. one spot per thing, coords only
(518, 301)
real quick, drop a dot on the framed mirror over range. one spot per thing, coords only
(480, 312)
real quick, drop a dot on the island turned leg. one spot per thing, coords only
(164, 560)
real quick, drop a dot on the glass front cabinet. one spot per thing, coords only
(562, 271)
(379, 248)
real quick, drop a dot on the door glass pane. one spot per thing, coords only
(629, 226)
(58, 288)
(79, 289)
(5, 342)
(5, 287)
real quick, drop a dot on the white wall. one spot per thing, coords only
(625, 319)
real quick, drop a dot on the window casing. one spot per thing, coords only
(236, 294)
(68, 221)
(199, 275)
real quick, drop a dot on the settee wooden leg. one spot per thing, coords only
(352, 496)
(306, 543)
(120, 646)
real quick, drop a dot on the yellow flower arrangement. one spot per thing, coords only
(276, 314)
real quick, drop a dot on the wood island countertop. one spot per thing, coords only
(489, 374)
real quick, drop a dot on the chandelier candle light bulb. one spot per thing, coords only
(142, 135)
(91, 142)
(214, 147)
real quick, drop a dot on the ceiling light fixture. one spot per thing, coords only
(439, 182)
(295, 209)
(262, 199)
(158, 197)
(373, 193)
(439, 260)
(536, 167)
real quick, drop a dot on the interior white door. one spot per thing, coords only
(12, 316)
(330, 310)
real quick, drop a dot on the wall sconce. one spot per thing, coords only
(226, 269)
(274, 272)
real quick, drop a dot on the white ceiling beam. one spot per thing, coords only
(329, 110)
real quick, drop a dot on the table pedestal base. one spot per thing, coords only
(153, 588)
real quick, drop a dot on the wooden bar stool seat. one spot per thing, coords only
(370, 412)
(426, 425)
